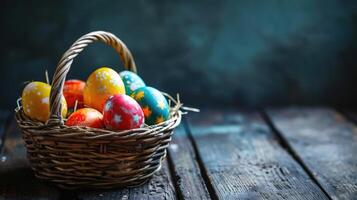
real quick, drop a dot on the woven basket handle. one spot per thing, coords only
(66, 61)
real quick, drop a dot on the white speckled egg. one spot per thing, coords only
(35, 101)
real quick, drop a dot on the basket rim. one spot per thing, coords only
(43, 129)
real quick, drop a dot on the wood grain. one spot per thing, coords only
(17, 180)
(244, 160)
(186, 170)
(159, 187)
(325, 142)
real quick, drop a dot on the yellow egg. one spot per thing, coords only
(101, 84)
(36, 101)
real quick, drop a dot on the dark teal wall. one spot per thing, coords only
(213, 53)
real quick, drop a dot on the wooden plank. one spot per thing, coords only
(244, 160)
(17, 180)
(325, 142)
(159, 187)
(186, 170)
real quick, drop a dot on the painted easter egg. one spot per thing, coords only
(101, 84)
(131, 81)
(153, 104)
(121, 112)
(73, 91)
(86, 117)
(35, 101)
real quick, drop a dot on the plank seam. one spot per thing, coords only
(211, 191)
(285, 144)
(174, 178)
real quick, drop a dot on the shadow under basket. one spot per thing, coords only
(83, 157)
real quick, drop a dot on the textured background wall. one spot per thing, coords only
(235, 52)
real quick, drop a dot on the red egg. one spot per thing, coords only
(121, 112)
(72, 91)
(86, 117)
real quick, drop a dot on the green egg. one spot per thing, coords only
(153, 103)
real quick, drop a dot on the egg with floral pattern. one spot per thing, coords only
(131, 81)
(121, 112)
(36, 101)
(101, 84)
(88, 117)
(153, 104)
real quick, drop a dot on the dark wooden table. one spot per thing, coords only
(281, 153)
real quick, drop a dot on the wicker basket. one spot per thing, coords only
(82, 157)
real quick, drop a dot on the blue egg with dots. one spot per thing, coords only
(131, 81)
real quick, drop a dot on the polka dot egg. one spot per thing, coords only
(131, 81)
(121, 112)
(153, 104)
(101, 84)
(35, 101)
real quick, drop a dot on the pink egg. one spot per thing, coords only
(121, 112)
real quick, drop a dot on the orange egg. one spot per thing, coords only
(86, 117)
(73, 91)
(35, 101)
(101, 84)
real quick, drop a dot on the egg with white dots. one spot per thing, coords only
(35, 101)
(153, 103)
(121, 112)
(132, 81)
(100, 85)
